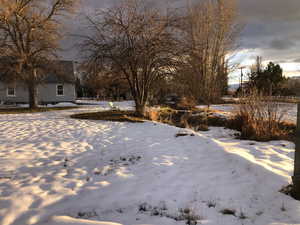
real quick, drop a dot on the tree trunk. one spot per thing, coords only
(140, 108)
(33, 97)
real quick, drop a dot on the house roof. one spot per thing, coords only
(64, 73)
(59, 71)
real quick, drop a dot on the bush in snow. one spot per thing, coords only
(228, 212)
(211, 204)
(87, 214)
(260, 118)
(186, 214)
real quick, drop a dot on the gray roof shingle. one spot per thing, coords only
(60, 71)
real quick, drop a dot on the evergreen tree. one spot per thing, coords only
(267, 80)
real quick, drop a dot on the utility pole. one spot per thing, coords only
(296, 176)
(242, 75)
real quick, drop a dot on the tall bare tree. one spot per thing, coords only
(137, 40)
(30, 31)
(209, 34)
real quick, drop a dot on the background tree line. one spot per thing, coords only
(154, 49)
(269, 80)
(132, 45)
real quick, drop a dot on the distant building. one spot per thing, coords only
(53, 89)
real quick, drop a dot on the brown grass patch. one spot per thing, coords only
(186, 103)
(259, 118)
(118, 116)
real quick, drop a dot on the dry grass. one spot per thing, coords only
(37, 110)
(194, 119)
(153, 115)
(163, 115)
(259, 118)
(187, 103)
(117, 115)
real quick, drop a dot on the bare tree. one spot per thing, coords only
(135, 39)
(209, 34)
(30, 31)
(105, 82)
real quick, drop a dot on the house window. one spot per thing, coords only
(11, 91)
(60, 90)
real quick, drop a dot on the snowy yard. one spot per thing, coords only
(56, 170)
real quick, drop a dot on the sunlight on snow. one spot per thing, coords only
(124, 173)
(268, 158)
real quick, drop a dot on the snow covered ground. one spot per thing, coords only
(55, 170)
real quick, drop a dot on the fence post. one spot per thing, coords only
(296, 176)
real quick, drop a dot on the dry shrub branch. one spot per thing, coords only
(260, 118)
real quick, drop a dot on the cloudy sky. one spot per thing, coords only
(272, 30)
